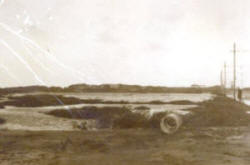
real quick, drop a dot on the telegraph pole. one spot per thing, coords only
(225, 78)
(234, 70)
(221, 80)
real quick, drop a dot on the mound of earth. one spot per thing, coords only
(110, 117)
(220, 111)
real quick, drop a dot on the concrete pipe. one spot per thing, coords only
(170, 123)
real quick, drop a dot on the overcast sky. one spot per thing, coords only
(147, 42)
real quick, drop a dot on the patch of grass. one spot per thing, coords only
(2, 121)
(157, 102)
(142, 108)
(131, 120)
(40, 100)
(116, 102)
(182, 102)
(90, 112)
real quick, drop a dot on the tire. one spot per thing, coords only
(170, 123)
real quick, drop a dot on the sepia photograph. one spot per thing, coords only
(124, 82)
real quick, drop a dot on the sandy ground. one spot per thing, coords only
(30, 137)
(32, 119)
(121, 147)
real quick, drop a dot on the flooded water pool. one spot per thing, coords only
(142, 97)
